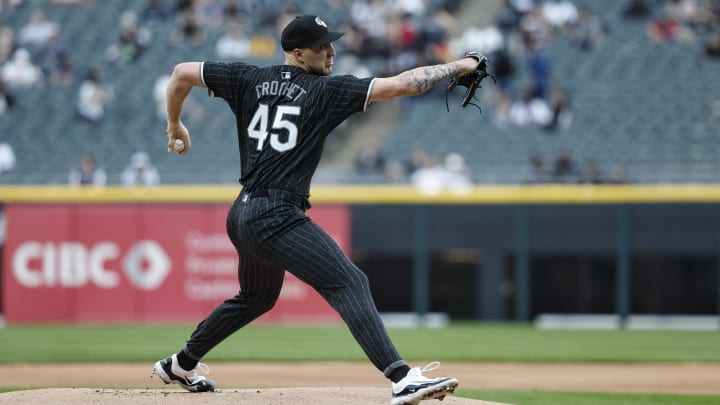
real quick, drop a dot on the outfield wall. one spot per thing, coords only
(505, 252)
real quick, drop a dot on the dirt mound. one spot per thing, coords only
(679, 378)
(274, 396)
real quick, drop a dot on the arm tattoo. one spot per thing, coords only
(424, 78)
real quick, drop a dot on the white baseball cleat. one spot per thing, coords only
(170, 372)
(415, 387)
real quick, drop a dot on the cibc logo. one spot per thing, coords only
(73, 264)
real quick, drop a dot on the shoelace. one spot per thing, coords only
(430, 366)
(418, 372)
(206, 370)
(200, 366)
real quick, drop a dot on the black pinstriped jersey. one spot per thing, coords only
(283, 115)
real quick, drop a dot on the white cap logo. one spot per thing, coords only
(318, 21)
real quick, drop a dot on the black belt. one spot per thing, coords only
(295, 199)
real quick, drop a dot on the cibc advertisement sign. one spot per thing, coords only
(138, 262)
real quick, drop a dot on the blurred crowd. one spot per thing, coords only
(517, 42)
(383, 37)
(387, 36)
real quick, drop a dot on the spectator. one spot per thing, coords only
(534, 32)
(263, 46)
(712, 48)
(565, 170)
(370, 17)
(503, 106)
(93, 98)
(351, 65)
(20, 72)
(182, 6)
(189, 30)
(7, 43)
(61, 70)
(371, 159)
(663, 29)
(434, 178)
(395, 172)
(559, 14)
(88, 173)
(233, 44)
(231, 12)
(159, 95)
(37, 32)
(7, 157)
(561, 116)
(418, 159)
(710, 16)
(56, 63)
(588, 32)
(637, 9)
(209, 13)
(132, 41)
(684, 11)
(539, 64)
(434, 36)
(509, 18)
(503, 69)
(193, 109)
(140, 171)
(415, 8)
(521, 7)
(485, 39)
(8, 6)
(530, 110)
(153, 13)
(458, 176)
(7, 100)
(429, 178)
(408, 34)
(538, 172)
(267, 12)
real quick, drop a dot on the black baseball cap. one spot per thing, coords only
(307, 31)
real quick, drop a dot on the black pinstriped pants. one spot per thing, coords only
(272, 233)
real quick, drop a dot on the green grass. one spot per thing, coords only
(587, 398)
(524, 343)
(460, 342)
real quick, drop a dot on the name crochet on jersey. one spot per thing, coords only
(276, 88)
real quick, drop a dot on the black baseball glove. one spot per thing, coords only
(470, 80)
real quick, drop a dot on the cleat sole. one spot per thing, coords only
(438, 393)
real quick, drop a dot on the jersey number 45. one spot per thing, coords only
(258, 128)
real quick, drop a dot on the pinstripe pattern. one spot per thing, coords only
(271, 234)
(271, 231)
(324, 102)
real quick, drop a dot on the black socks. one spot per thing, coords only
(399, 373)
(185, 362)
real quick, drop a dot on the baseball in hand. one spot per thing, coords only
(179, 145)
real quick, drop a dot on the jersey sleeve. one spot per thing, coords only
(224, 80)
(347, 95)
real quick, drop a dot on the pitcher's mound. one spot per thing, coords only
(274, 396)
